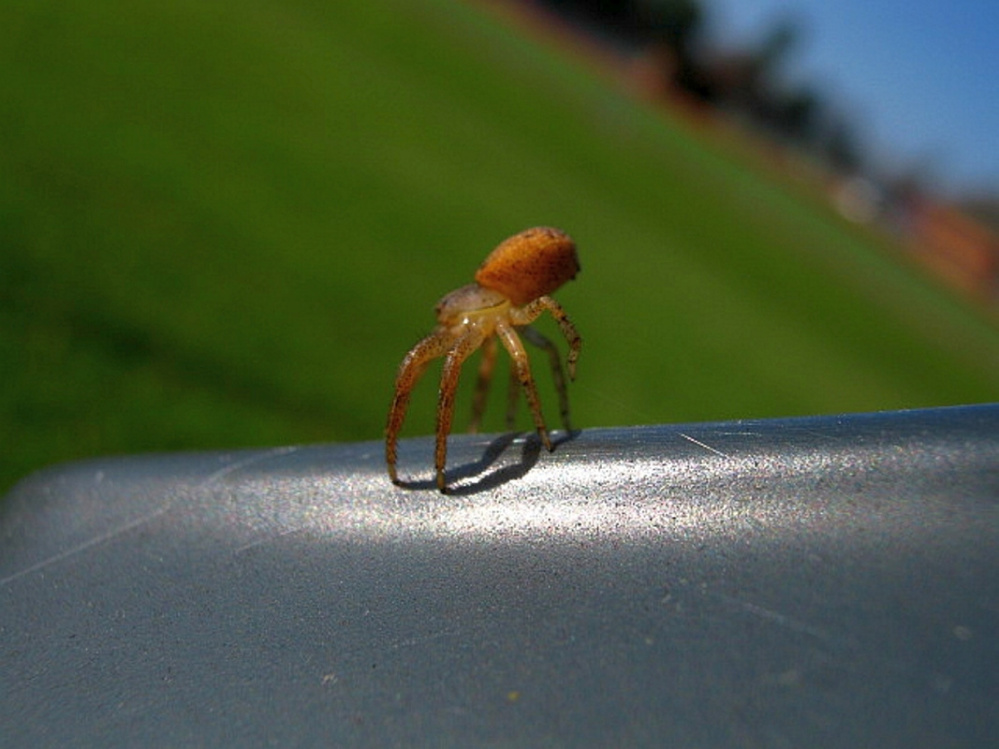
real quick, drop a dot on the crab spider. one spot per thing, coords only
(510, 291)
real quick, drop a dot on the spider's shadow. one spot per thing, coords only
(486, 477)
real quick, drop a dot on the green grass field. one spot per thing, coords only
(223, 224)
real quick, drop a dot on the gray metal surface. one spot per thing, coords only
(808, 582)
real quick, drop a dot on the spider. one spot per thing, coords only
(510, 292)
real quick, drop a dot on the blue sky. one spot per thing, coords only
(918, 78)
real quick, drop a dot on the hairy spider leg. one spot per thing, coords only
(512, 396)
(542, 342)
(511, 342)
(441, 343)
(412, 367)
(486, 365)
(530, 312)
(456, 355)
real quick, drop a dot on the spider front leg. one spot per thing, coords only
(512, 396)
(413, 365)
(449, 386)
(555, 361)
(522, 367)
(529, 313)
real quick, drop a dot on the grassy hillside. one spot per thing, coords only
(222, 224)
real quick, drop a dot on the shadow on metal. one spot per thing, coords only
(828, 581)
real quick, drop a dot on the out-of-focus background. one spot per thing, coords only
(222, 224)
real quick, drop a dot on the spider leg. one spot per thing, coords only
(456, 355)
(535, 338)
(482, 385)
(513, 393)
(522, 367)
(413, 365)
(530, 312)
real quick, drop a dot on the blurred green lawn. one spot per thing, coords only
(222, 224)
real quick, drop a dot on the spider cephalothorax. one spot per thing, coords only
(510, 291)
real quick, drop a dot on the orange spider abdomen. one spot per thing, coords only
(530, 264)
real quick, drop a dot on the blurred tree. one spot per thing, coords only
(665, 30)
(841, 150)
(677, 26)
(614, 17)
(674, 22)
(801, 114)
(670, 35)
(772, 52)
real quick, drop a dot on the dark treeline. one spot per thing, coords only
(756, 85)
(750, 83)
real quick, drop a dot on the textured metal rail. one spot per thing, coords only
(829, 581)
